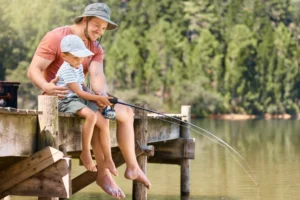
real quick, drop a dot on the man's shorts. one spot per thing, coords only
(74, 104)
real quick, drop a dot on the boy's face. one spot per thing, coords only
(72, 60)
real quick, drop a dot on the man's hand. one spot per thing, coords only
(99, 104)
(53, 90)
(104, 101)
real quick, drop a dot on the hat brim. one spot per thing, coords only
(110, 26)
(82, 53)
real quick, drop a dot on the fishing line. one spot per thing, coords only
(223, 143)
(251, 175)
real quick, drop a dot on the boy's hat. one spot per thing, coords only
(74, 45)
(99, 10)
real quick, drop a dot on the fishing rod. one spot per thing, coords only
(110, 113)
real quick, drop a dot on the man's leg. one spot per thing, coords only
(104, 179)
(125, 138)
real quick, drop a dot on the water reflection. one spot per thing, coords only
(271, 147)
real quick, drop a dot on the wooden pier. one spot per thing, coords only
(36, 146)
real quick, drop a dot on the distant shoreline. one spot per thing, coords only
(247, 117)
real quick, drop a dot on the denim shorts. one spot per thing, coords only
(74, 104)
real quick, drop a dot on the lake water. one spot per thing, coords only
(271, 147)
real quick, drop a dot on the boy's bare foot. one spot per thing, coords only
(88, 162)
(105, 181)
(109, 163)
(138, 175)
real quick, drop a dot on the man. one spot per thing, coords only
(47, 59)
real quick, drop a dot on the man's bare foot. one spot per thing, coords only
(138, 175)
(105, 181)
(88, 162)
(109, 163)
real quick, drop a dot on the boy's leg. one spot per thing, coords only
(103, 125)
(104, 179)
(87, 132)
(125, 137)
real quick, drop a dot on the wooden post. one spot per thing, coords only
(185, 163)
(139, 191)
(48, 126)
(48, 122)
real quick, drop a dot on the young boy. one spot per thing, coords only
(79, 101)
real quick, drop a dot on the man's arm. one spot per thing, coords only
(34, 73)
(97, 78)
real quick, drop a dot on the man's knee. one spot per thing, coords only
(124, 113)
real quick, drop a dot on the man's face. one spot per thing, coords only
(96, 28)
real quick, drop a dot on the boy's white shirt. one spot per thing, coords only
(68, 74)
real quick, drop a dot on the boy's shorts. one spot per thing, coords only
(74, 104)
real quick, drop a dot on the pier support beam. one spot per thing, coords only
(49, 128)
(185, 163)
(139, 191)
(44, 173)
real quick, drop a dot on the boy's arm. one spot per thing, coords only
(86, 89)
(87, 96)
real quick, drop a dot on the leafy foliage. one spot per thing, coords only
(218, 56)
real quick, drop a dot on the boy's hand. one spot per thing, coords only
(103, 101)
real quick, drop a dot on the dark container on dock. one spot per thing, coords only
(9, 94)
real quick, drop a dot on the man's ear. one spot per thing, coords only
(84, 19)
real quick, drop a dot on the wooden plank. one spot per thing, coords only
(26, 168)
(139, 191)
(158, 130)
(5, 198)
(9, 160)
(9, 110)
(18, 134)
(161, 160)
(53, 181)
(162, 129)
(48, 122)
(185, 163)
(180, 148)
(70, 128)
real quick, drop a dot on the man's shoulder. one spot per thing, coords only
(96, 47)
(60, 32)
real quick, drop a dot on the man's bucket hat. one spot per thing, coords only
(75, 46)
(99, 10)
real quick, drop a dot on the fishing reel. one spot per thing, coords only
(109, 113)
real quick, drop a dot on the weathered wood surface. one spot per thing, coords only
(70, 127)
(53, 181)
(139, 191)
(185, 163)
(28, 167)
(18, 137)
(18, 132)
(48, 122)
(180, 148)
